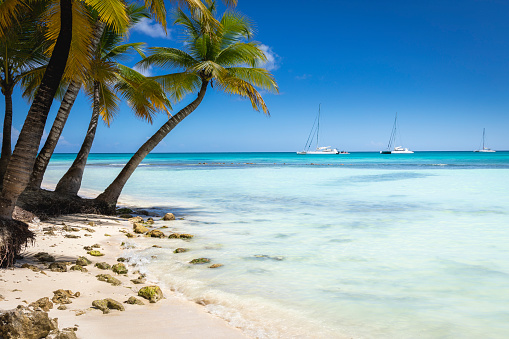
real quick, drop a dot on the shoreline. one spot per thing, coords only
(171, 317)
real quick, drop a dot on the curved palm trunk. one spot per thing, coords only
(42, 160)
(111, 194)
(70, 183)
(22, 159)
(6, 139)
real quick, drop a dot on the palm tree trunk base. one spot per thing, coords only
(45, 204)
(14, 236)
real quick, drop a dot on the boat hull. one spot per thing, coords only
(485, 151)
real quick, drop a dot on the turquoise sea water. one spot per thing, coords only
(360, 246)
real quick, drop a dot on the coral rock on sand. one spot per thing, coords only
(134, 301)
(155, 234)
(43, 303)
(61, 296)
(139, 280)
(169, 216)
(139, 228)
(78, 268)
(180, 250)
(108, 304)
(32, 267)
(135, 219)
(95, 253)
(25, 323)
(109, 279)
(200, 261)
(150, 221)
(103, 265)
(43, 256)
(82, 261)
(151, 293)
(58, 267)
(119, 268)
(180, 236)
(215, 265)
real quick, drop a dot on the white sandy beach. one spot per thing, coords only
(171, 317)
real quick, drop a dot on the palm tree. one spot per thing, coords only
(107, 77)
(223, 57)
(20, 51)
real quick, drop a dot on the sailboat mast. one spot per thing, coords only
(393, 133)
(483, 130)
(318, 126)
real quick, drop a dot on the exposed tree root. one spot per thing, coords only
(47, 204)
(14, 235)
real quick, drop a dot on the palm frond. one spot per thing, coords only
(209, 69)
(178, 85)
(236, 86)
(167, 57)
(111, 12)
(108, 103)
(241, 53)
(258, 77)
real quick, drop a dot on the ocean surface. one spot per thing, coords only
(340, 246)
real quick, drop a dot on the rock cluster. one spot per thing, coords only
(108, 304)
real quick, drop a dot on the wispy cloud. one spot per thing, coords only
(303, 76)
(273, 59)
(151, 28)
(145, 71)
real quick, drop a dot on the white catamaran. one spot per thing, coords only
(484, 149)
(315, 131)
(392, 139)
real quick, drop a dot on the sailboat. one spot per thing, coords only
(323, 150)
(392, 139)
(484, 149)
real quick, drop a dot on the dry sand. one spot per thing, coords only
(171, 317)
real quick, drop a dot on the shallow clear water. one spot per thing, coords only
(361, 245)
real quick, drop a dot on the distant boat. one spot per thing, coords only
(484, 149)
(315, 131)
(392, 139)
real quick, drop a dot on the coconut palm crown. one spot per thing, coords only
(226, 59)
(222, 57)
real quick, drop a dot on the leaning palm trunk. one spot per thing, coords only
(70, 183)
(6, 139)
(41, 163)
(111, 194)
(14, 235)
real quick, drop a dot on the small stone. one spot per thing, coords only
(109, 279)
(49, 233)
(200, 261)
(139, 228)
(139, 280)
(78, 268)
(43, 303)
(119, 268)
(91, 223)
(156, 246)
(125, 216)
(150, 221)
(103, 265)
(82, 261)
(135, 219)
(155, 234)
(107, 235)
(180, 236)
(58, 267)
(180, 250)
(88, 248)
(134, 301)
(88, 229)
(96, 246)
(122, 259)
(108, 304)
(95, 253)
(72, 236)
(129, 235)
(62, 307)
(215, 265)
(151, 293)
(168, 216)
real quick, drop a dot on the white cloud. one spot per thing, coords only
(146, 72)
(151, 28)
(272, 62)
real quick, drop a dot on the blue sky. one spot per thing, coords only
(442, 65)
